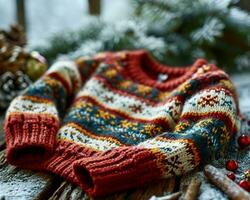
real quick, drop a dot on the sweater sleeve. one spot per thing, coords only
(207, 123)
(32, 118)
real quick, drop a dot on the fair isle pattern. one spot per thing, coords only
(77, 134)
(67, 71)
(29, 105)
(101, 122)
(210, 101)
(53, 88)
(123, 128)
(174, 155)
(130, 106)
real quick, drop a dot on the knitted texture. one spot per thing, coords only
(121, 120)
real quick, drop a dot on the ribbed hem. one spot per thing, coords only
(30, 138)
(116, 170)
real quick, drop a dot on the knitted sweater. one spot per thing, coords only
(116, 121)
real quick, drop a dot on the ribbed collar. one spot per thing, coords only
(140, 60)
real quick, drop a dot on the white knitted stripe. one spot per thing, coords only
(194, 106)
(97, 91)
(70, 133)
(169, 149)
(20, 105)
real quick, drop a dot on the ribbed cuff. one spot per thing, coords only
(65, 154)
(29, 138)
(116, 170)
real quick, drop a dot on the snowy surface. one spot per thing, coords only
(46, 17)
(211, 192)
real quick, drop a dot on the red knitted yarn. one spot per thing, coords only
(141, 66)
(120, 169)
(61, 162)
(30, 138)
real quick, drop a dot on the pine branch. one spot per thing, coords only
(175, 32)
(155, 3)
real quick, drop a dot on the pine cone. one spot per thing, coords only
(15, 36)
(12, 58)
(11, 85)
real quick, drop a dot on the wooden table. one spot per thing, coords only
(20, 184)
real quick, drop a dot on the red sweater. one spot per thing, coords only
(117, 121)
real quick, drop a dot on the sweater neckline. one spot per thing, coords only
(141, 60)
